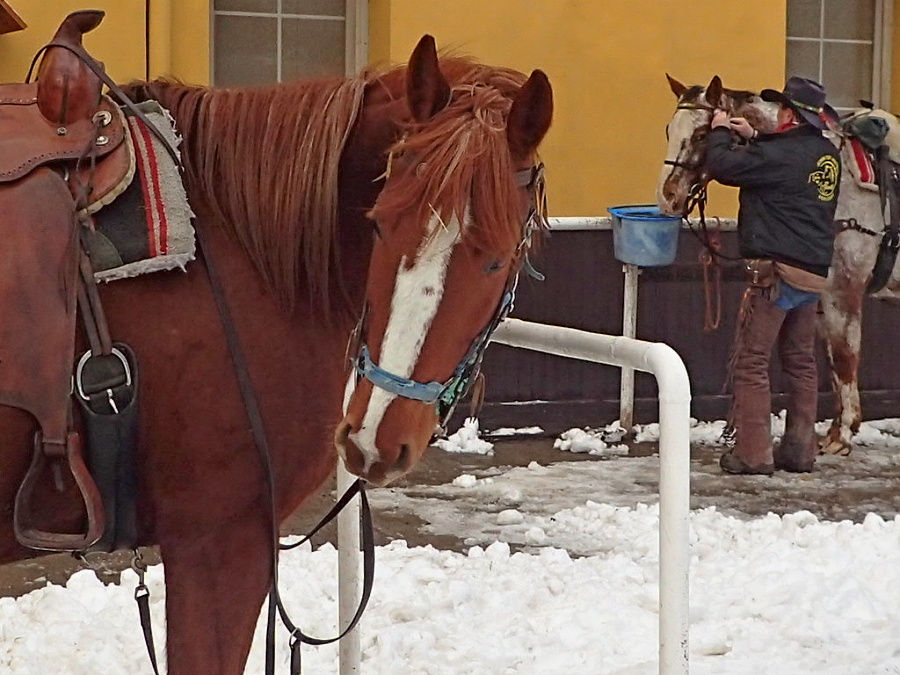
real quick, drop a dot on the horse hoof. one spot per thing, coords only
(839, 448)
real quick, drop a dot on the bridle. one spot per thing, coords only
(445, 395)
(693, 166)
(710, 255)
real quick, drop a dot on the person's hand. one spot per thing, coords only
(742, 127)
(720, 118)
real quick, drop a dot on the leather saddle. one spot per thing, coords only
(62, 154)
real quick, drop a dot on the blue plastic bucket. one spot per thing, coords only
(643, 236)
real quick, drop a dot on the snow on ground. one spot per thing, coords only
(780, 595)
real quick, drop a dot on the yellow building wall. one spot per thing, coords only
(179, 37)
(607, 63)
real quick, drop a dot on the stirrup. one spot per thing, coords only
(29, 534)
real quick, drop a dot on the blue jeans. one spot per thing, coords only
(791, 298)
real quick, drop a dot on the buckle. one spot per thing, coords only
(79, 386)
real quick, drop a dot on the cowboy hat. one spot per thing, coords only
(806, 98)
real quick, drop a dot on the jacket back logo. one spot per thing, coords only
(826, 177)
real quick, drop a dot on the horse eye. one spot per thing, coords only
(494, 266)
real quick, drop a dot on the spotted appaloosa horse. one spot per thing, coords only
(397, 189)
(855, 249)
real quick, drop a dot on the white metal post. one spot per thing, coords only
(356, 34)
(674, 457)
(629, 330)
(349, 573)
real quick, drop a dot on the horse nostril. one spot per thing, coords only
(342, 433)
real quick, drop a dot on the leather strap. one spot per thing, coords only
(889, 193)
(142, 597)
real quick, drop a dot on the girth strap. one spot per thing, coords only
(889, 192)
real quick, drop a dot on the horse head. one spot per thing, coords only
(683, 177)
(461, 201)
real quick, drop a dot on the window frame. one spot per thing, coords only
(356, 33)
(881, 42)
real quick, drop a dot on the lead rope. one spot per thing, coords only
(712, 280)
(709, 258)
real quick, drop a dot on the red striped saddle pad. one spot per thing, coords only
(147, 227)
(859, 162)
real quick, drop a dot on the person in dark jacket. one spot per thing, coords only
(788, 184)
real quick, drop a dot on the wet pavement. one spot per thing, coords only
(433, 505)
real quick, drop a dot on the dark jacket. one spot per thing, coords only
(789, 187)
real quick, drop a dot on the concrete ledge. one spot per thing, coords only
(605, 223)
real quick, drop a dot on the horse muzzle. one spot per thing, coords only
(379, 465)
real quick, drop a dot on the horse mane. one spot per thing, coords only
(469, 165)
(285, 213)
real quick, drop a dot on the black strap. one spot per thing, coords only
(888, 189)
(142, 597)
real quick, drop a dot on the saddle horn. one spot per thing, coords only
(67, 89)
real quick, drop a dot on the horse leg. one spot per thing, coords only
(841, 327)
(216, 581)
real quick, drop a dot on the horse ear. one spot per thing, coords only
(530, 115)
(427, 91)
(714, 92)
(677, 88)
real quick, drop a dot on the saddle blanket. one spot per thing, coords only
(858, 159)
(859, 163)
(147, 228)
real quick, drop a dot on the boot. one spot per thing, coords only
(758, 331)
(796, 348)
(729, 462)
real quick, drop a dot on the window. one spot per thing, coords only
(844, 44)
(260, 41)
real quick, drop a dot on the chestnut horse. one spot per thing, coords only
(855, 249)
(408, 191)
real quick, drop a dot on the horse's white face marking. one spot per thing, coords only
(681, 128)
(418, 291)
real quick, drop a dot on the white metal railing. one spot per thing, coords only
(674, 481)
(605, 223)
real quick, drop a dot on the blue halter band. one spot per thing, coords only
(444, 395)
(401, 386)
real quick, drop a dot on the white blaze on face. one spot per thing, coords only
(681, 128)
(418, 291)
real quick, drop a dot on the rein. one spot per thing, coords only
(708, 257)
(711, 255)
(251, 404)
(446, 395)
